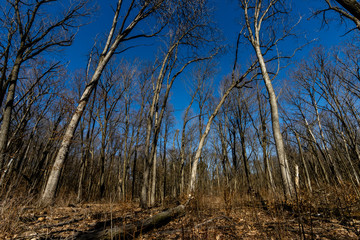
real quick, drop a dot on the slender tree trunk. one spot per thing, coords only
(356, 176)
(334, 166)
(235, 83)
(225, 159)
(6, 116)
(122, 178)
(325, 173)
(165, 161)
(245, 160)
(307, 175)
(134, 174)
(155, 116)
(183, 138)
(140, 116)
(83, 167)
(284, 165)
(241, 124)
(85, 157)
(264, 142)
(102, 161)
(153, 181)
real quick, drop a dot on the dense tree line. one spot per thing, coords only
(109, 130)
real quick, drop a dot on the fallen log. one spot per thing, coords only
(130, 231)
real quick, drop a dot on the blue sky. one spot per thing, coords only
(226, 15)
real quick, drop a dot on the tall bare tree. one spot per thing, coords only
(260, 15)
(122, 28)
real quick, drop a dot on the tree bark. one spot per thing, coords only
(153, 181)
(6, 117)
(352, 6)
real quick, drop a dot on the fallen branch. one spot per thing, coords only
(130, 231)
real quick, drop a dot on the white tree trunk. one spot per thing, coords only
(50, 189)
(153, 182)
(280, 150)
(112, 43)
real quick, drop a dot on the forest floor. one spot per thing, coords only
(204, 218)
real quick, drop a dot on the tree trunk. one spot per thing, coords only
(134, 174)
(307, 175)
(153, 181)
(130, 231)
(102, 161)
(334, 166)
(122, 178)
(165, 161)
(349, 160)
(6, 116)
(183, 138)
(264, 142)
(280, 150)
(352, 6)
(48, 195)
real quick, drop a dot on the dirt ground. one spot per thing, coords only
(207, 218)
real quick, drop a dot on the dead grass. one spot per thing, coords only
(330, 214)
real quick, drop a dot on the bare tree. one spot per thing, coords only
(114, 84)
(190, 30)
(236, 82)
(260, 15)
(121, 29)
(36, 91)
(29, 34)
(202, 74)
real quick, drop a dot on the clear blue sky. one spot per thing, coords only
(226, 15)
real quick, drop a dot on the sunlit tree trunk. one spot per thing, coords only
(112, 43)
(153, 181)
(253, 24)
(169, 71)
(284, 165)
(6, 116)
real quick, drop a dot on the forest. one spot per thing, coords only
(170, 125)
